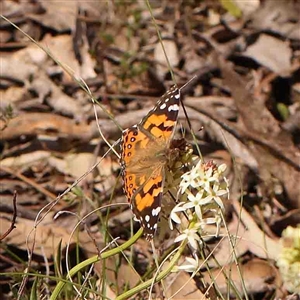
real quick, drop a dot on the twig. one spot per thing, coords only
(30, 182)
(13, 221)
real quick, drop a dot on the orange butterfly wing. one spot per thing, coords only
(143, 159)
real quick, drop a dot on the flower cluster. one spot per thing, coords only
(289, 259)
(201, 192)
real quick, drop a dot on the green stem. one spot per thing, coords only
(159, 277)
(93, 260)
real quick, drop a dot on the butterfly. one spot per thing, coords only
(143, 160)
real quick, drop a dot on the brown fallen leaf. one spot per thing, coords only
(61, 47)
(125, 275)
(54, 97)
(22, 64)
(272, 147)
(280, 17)
(28, 159)
(246, 236)
(257, 275)
(272, 53)
(257, 241)
(159, 55)
(31, 124)
(219, 130)
(183, 287)
(47, 235)
(59, 16)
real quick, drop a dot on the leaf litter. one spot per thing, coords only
(247, 66)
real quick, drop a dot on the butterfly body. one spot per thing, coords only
(144, 150)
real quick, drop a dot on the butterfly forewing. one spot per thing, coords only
(161, 120)
(143, 160)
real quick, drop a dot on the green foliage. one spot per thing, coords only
(231, 7)
(283, 111)
(107, 38)
(6, 115)
(57, 263)
(34, 289)
(130, 69)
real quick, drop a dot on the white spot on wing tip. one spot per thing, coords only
(156, 211)
(173, 107)
(163, 106)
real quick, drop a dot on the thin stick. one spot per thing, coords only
(13, 221)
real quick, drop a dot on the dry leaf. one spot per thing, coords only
(58, 15)
(47, 235)
(159, 55)
(61, 47)
(258, 276)
(26, 159)
(272, 53)
(183, 287)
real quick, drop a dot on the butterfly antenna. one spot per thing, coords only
(183, 107)
(188, 82)
(186, 115)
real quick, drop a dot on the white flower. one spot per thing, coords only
(214, 220)
(195, 202)
(222, 168)
(220, 171)
(192, 265)
(206, 178)
(191, 235)
(214, 195)
(197, 177)
(201, 192)
(187, 181)
(173, 216)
